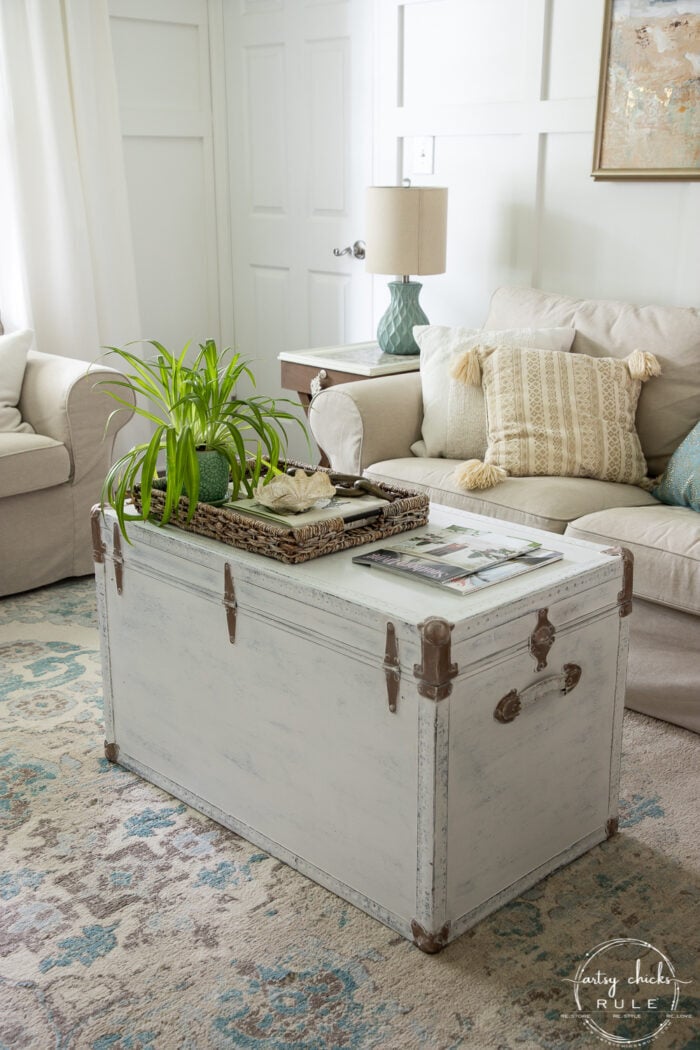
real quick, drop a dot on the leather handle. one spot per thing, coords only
(509, 706)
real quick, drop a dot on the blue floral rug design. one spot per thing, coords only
(130, 922)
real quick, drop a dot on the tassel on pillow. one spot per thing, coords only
(466, 368)
(474, 474)
(642, 365)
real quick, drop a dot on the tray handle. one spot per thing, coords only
(509, 706)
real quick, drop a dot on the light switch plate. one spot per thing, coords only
(423, 155)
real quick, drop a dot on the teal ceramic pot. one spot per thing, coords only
(213, 477)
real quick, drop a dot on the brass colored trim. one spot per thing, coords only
(392, 667)
(111, 752)
(435, 670)
(118, 559)
(98, 547)
(230, 603)
(542, 639)
(612, 826)
(624, 598)
(430, 943)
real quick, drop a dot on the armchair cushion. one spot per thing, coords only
(14, 348)
(29, 462)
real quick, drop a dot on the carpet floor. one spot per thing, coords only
(130, 922)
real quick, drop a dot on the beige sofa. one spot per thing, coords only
(369, 426)
(50, 479)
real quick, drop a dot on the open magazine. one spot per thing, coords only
(460, 559)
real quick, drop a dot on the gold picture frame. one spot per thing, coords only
(648, 114)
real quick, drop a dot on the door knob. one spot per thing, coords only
(357, 250)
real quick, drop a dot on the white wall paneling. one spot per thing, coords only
(508, 92)
(169, 64)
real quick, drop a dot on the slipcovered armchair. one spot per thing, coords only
(50, 479)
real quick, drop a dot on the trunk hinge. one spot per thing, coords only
(392, 667)
(118, 559)
(230, 603)
(435, 670)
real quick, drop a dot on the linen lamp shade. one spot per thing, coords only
(406, 229)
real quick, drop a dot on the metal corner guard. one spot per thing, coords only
(118, 559)
(98, 547)
(624, 598)
(611, 827)
(430, 943)
(111, 751)
(435, 669)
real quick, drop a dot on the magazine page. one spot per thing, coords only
(466, 549)
(346, 507)
(507, 570)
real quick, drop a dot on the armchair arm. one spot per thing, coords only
(60, 401)
(357, 424)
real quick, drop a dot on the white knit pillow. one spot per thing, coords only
(454, 415)
(14, 348)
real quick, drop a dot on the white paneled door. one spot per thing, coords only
(299, 78)
(169, 61)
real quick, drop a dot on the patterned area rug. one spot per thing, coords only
(130, 922)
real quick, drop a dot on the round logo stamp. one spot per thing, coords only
(626, 991)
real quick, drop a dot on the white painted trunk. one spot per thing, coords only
(260, 694)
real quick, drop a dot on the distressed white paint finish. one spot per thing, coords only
(435, 813)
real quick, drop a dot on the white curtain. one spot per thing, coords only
(66, 257)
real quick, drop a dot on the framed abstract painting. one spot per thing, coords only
(648, 119)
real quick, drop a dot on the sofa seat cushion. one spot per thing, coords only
(548, 503)
(665, 542)
(29, 462)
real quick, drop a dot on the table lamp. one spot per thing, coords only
(406, 233)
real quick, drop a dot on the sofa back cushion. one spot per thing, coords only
(670, 406)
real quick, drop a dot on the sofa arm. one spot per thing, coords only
(60, 400)
(357, 424)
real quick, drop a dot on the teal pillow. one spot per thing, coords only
(680, 482)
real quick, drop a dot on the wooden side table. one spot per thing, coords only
(309, 371)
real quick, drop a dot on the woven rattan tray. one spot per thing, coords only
(408, 510)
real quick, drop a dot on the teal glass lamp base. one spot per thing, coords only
(395, 331)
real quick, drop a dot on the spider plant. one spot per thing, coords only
(193, 408)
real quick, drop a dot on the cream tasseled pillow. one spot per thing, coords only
(559, 415)
(454, 417)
